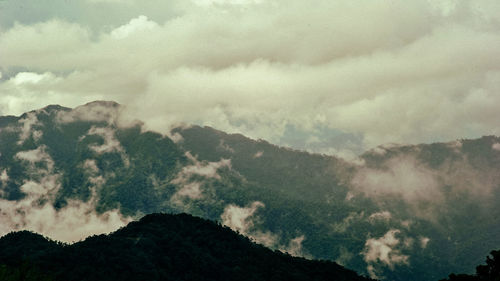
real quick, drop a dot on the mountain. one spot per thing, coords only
(161, 247)
(425, 199)
(400, 212)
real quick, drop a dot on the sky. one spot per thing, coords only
(335, 77)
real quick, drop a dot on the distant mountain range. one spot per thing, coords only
(400, 212)
(159, 247)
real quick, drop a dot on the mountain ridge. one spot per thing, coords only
(163, 247)
(113, 104)
(70, 174)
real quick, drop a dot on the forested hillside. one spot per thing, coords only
(158, 247)
(400, 212)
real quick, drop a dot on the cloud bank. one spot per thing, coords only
(386, 72)
(242, 220)
(191, 178)
(36, 212)
(384, 250)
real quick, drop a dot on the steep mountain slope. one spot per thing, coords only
(403, 212)
(406, 195)
(162, 247)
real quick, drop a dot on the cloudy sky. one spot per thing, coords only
(330, 76)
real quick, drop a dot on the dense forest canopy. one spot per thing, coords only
(400, 212)
(158, 247)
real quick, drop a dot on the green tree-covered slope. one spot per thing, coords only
(400, 212)
(159, 247)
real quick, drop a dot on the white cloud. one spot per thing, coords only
(421, 73)
(383, 250)
(27, 128)
(139, 24)
(203, 168)
(42, 183)
(209, 170)
(56, 40)
(237, 218)
(93, 173)
(339, 65)
(258, 154)
(19, 98)
(111, 144)
(426, 188)
(191, 189)
(496, 146)
(424, 241)
(404, 177)
(71, 223)
(240, 219)
(46, 185)
(349, 196)
(380, 216)
(347, 155)
(176, 137)
(224, 146)
(372, 272)
(294, 247)
(4, 177)
(30, 78)
(90, 165)
(36, 155)
(97, 181)
(36, 212)
(95, 112)
(379, 150)
(457, 145)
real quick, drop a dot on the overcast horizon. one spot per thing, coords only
(335, 77)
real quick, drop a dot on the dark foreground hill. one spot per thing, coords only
(158, 247)
(487, 272)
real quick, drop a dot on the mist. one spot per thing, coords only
(388, 72)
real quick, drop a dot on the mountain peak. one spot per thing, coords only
(103, 103)
(166, 247)
(55, 107)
